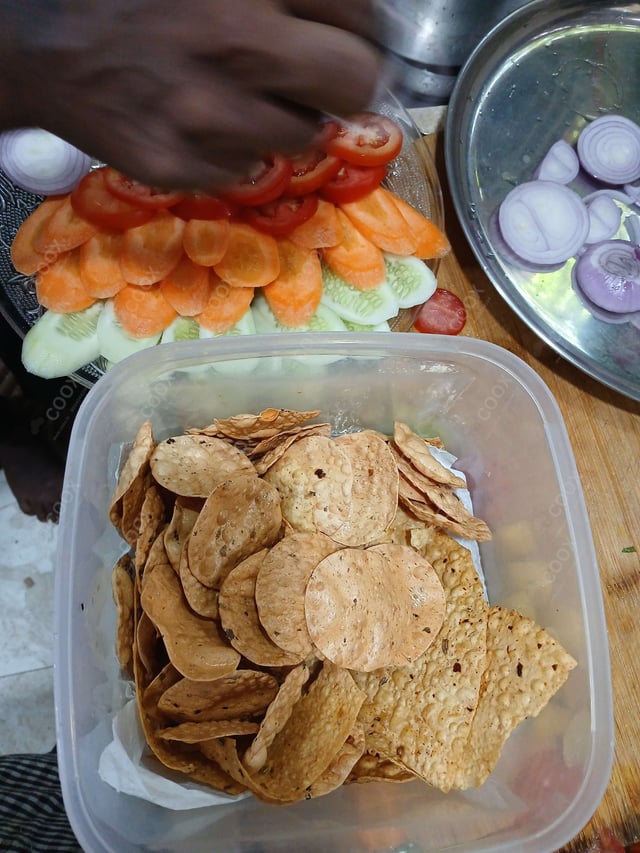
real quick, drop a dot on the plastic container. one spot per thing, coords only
(497, 415)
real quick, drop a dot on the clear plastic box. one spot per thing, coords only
(500, 419)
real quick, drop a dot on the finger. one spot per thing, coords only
(355, 16)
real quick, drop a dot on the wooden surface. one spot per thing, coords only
(604, 429)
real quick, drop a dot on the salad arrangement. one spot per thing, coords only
(311, 242)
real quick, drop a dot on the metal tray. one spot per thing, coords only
(539, 76)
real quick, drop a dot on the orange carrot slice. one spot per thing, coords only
(295, 294)
(356, 259)
(378, 218)
(431, 241)
(100, 264)
(143, 311)
(187, 287)
(60, 286)
(205, 240)
(63, 231)
(251, 258)
(321, 230)
(151, 251)
(227, 305)
(24, 255)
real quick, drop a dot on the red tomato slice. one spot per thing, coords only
(366, 139)
(266, 182)
(203, 206)
(279, 218)
(442, 314)
(139, 194)
(92, 200)
(352, 183)
(311, 171)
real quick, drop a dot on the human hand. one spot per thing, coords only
(185, 95)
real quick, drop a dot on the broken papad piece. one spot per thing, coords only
(266, 423)
(194, 644)
(182, 757)
(239, 616)
(276, 716)
(123, 590)
(184, 516)
(374, 492)
(240, 695)
(420, 715)
(193, 465)
(314, 479)
(525, 667)
(132, 481)
(313, 736)
(371, 767)
(241, 516)
(416, 450)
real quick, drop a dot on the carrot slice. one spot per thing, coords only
(431, 241)
(60, 286)
(143, 311)
(63, 231)
(227, 305)
(378, 218)
(251, 259)
(321, 230)
(205, 240)
(151, 251)
(356, 259)
(187, 287)
(295, 294)
(100, 264)
(24, 255)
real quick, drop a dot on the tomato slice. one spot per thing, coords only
(266, 182)
(198, 205)
(92, 200)
(279, 218)
(311, 171)
(442, 314)
(137, 193)
(366, 139)
(351, 183)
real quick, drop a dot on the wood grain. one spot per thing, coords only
(604, 430)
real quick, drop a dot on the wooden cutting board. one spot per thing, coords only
(604, 430)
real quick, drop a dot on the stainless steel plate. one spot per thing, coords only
(539, 76)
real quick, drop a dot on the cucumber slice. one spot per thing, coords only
(410, 279)
(184, 329)
(324, 320)
(364, 327)
(116, 344)
(59, 344)
(245, 326)
(368, 307)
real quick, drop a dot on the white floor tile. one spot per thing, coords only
(27, 712)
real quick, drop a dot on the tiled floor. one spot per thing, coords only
(27, 558)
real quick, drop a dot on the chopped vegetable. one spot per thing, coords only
(322, 230)
(100, 264)
(281, 217)
(442, 314)
(187, 288)
(310, 171)
(560, 164)
(143, 311)
(150, 251)
(543, 222)
(24, 255)
(608, 273)
(266, 183)
(353, 182)
(378, 218)
(92, 200)
(609, 149)
(60, 286)
(59, 344)
(604, 218)
(355, 259)
(294, 295)
(205, 240)
(226, 306)
(114, 342)
(40, 162)
(64, 230)
(251, 259)
(431, 242)
(367, 139)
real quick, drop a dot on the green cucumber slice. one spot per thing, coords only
(116, 344)
(368, 307)
(59, 344)
(410, 279)
(364, 327)
(184, 329)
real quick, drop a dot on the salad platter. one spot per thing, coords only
(519, 120)
(65, 331)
